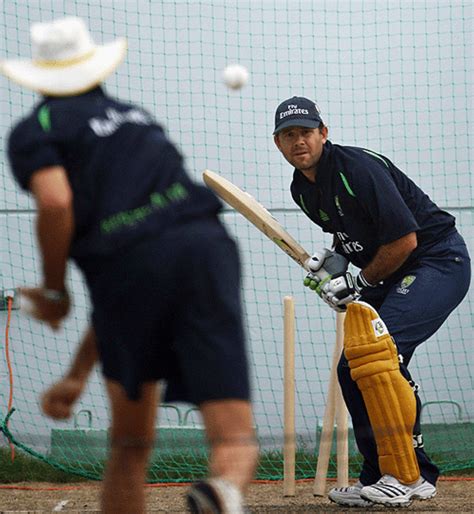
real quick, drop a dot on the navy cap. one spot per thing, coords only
(297, 112)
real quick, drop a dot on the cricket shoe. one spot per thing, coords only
(215, 496)
(390, 492)
(349, 496)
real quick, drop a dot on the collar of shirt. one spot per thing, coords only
(97, 91)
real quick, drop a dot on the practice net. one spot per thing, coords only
(395, 77)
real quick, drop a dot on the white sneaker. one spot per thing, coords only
(215, 496)
(349, 496)
(390, 492)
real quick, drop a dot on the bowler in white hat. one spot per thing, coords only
(113, 195)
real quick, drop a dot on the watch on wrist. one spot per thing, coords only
(53, 295)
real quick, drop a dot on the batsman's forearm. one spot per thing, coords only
(85, 358)
(54, 229)
(389, 258)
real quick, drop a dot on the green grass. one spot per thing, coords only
(185, 468)
(28, 469)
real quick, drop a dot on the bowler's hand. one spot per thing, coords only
(58, 401)
(45, 305)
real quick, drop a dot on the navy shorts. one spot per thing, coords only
(418, 301)
(413, 304)
(170, 308)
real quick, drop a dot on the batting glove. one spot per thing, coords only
(324, 266)
(316, 271)
(339, 291)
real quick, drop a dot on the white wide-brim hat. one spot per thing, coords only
(65, 60)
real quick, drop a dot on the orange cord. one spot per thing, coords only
(9, 365)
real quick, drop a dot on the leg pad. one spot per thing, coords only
(388, 397)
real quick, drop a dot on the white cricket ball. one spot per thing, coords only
(235, 76)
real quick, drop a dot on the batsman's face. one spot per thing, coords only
(302, 147)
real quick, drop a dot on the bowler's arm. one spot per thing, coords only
(85, 358)
(59, 399)
(54, 224)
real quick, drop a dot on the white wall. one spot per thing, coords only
(391, 76)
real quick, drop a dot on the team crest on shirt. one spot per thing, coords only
(405, 284)
(323, 215)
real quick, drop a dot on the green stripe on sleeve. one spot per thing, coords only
(303, 206)
(44, 118)
(377, 156)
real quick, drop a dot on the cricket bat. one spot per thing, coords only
(256, 213)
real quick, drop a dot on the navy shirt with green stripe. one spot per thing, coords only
(127, 178)
(366, 201)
